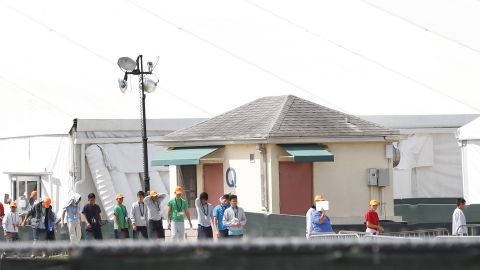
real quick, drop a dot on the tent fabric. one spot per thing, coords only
(470, 131)
(308, 152)
(128, 157)
(443, 175)
(416, 151)
(471, 172)
(184, 156)
(469, 138)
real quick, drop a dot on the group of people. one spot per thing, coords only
(318, 222)
(144, 219)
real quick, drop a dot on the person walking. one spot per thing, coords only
(138, 217)
(235, 219)
(10, 224)
(42, 217)
(458, 219)
(120, 219)
(310, 213)
(220, 229)
(91, 213)
(73, 212)
(204, 214)
(155, 222)
(371, 219)
(177, 210)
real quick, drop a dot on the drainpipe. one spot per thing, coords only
(82, 167)
(264, 176)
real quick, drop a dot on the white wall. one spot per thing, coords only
(39, 154)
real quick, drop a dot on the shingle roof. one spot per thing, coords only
(280, 117)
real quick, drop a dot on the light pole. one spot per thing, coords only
(131, 67)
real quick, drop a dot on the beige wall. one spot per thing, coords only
(248, 174)
(344, 181)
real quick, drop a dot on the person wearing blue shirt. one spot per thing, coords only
(321, 222)
(220, 229)
(72, 211)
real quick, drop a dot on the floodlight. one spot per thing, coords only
(122, 84)
(149, 85)
(127, 63)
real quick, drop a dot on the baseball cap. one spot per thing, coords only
(119, 196)
(33, 194)
(13, 204)
(153, 194)
(319, 198)
(374, 202)
(178, 190)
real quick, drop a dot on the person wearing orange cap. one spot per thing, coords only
(177, 209)
(120, 219)
(42, 217)
(155, 221)
(310, 213)
(10, 224)
(371, 219)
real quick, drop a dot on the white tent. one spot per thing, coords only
(469, 138)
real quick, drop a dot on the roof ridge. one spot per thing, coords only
(287, 104)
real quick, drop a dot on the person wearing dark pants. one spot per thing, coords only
(138, 217)
(154, 209)
(220, 229)
(204, 214)
(91, 212)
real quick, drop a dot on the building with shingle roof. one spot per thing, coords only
(277, 152)
(280, 118)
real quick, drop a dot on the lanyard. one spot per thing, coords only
(16, 219)
(142, 209)
(157, 205)
(179, 208)
(235, 212)
(203, 210)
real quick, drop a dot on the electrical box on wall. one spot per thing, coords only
(378, 177)
(372, 177)
(383, 178)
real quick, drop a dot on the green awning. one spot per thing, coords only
(308, 152)
(184, 155)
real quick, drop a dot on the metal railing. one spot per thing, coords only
(359, 234)
(334, 236)
(472, 229)
(428, 233)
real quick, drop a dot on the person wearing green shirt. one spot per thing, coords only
(120, 219)
(177, 209)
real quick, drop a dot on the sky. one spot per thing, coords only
(364, 57)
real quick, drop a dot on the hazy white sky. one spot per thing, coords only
(58, 58)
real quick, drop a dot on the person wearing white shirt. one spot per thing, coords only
(204, 214)
(10, 223)
(235, 219)
(458, 219)
(139, 216)
(153, 202)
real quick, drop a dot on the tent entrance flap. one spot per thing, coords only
(184, 156)
(308, 152)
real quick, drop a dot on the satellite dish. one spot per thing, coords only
(127, 63)
(149, 85)
(122, 84)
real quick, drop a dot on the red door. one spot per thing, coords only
(213, 181)
(296, 187)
